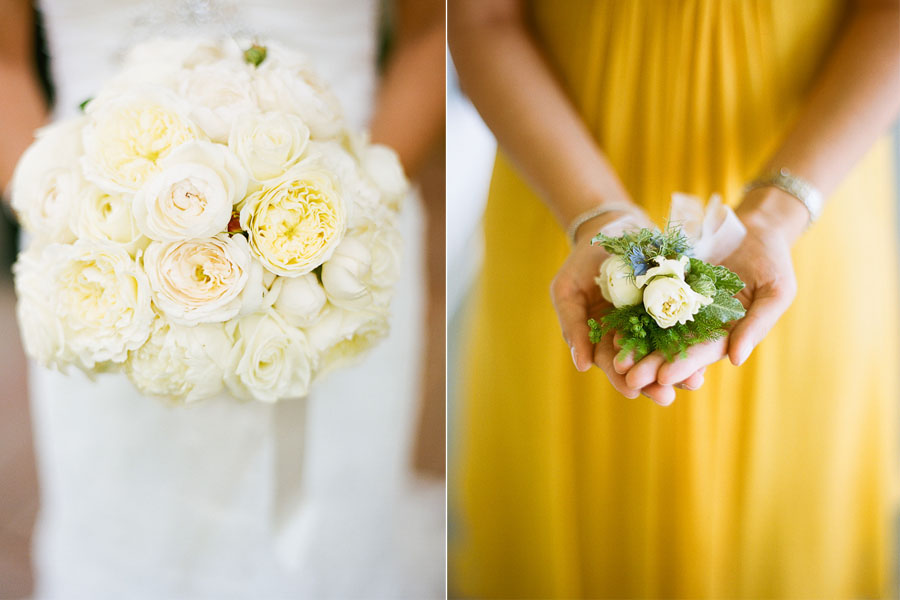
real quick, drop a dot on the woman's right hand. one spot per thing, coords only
(576, 298)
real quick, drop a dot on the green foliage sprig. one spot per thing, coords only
(641, 334)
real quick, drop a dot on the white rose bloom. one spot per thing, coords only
(296, 223)
(269, 143)
(160, 61)
(193, 194)
(199, 281)
(341, 336)
(383, 167)
(270, 360)
(129, 133)
(40, 328)
(102, 299)
(356, 188)
(46, 180)
(218, 94)
(106, 218)
(181, 363)
(364, 267)
(300, 300)
(617, 283)
(666, 267)
(295, 88)
(670, 300)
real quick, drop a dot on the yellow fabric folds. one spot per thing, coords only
(778, 479)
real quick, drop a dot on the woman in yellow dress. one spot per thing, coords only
(776, 478)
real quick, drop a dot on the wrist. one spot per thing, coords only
(772, 209)
(620, 219)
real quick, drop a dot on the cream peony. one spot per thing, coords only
(290, 86)
(128, 133)
(193, 194)
(270, 360)
(102, 299)
(199, 281)
(268, 144)
(46, 180)
(617, 282)
(104, 217)
(669, 300)
(39, 327)
(295, 224)
(300, 300)
(218, 93)
(181, 363)
(341, 336)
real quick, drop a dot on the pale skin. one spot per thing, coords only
(853, 101)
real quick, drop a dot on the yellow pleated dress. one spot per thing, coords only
(779, 478)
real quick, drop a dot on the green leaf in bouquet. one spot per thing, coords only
(724, 308)
(702, 284)
(727, 280)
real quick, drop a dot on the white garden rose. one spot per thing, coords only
(105, 217)
(200, 280)
(218, 93)
(181, 363)
(162, 61)
(365, 266)
(617, 282)
(383, 167)
(669, 300)
(296, 223)
(292, 87)
(270, 360)
(300, 300)
(46, 181)
(193, 194)
(102, 299)
(39, 327)
(357, 189)
(665, 267)
(269, 143)
(341, 336)
(128, 134)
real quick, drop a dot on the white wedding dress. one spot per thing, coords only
(304, 499)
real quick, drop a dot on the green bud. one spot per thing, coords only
(255, 54)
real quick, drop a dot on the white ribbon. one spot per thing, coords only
(715, 232)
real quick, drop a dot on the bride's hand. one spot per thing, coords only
(576, 298)
(763, 262)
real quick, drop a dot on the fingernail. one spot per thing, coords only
(745, 354)
(574, 360)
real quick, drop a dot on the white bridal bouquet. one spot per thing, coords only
(208, 222)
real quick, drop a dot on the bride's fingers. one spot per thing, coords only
(604, 354)
(622, 362)
(663, 395)
(698, 356)
(644, 372)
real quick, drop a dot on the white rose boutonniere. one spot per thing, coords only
(617, 283)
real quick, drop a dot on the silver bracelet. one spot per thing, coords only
(797, 187)
(602, 209)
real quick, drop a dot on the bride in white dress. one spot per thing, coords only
(304, 499)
